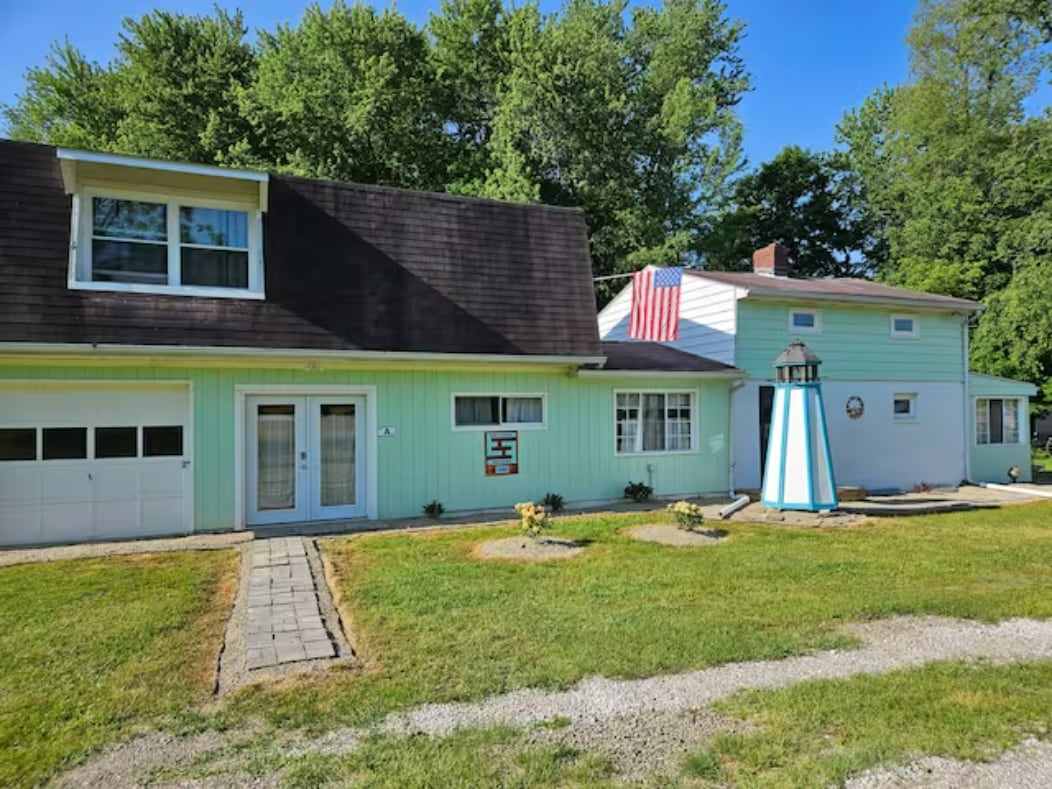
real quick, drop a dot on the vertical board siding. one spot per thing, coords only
(855, 342)
(574, 456)
(706, 319)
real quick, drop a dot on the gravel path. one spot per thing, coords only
(1028, 766)
(192, 542)
(648, 725)
(887, 645)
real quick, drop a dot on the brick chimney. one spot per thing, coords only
(771, 261)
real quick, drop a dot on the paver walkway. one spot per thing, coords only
(284, 619)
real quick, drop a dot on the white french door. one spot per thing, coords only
(305, 458)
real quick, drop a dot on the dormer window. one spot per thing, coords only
(193, 230)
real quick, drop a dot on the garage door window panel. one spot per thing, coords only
(116, 442)
(18, 443)
(65, 443)
(162, 441)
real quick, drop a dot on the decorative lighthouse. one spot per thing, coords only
(799, 473)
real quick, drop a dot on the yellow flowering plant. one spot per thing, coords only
(533, 518)
(688, 516)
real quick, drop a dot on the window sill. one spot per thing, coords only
(168, 290)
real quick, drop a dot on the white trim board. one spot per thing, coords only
(243, 391)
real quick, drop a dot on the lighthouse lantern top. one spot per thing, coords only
(797, 364)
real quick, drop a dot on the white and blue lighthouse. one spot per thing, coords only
(799, 472)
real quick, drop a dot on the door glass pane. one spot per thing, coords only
(338, 461)
(276, 457)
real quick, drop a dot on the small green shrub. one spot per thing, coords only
(553, 501)
(533, 518)
(688, 516)
(638, 491)
(434, 509)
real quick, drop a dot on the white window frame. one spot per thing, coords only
(897, 334)
(542, 425)
(816, 314)
(1020, 405)
(639, 433)
(911, 398)
(81, 232)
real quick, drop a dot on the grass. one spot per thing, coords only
(491, 757)
(436, 624)
(92, 649)
(1041, 459)
(819, 733)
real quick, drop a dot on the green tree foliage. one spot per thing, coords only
(958, 181)
(171, 92)
(629, 114)
(808, 202)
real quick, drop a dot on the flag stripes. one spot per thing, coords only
(655, 304)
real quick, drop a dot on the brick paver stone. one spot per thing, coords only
(284, 620)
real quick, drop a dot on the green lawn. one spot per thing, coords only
(1041, 459)
(818, 733)
(436, 624)
(91, 649)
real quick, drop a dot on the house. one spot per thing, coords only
(901, 406)
(187, 348)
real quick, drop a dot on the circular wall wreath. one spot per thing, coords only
(855, 407)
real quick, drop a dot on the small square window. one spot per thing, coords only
(904, 327)
(904, 406)
(18, 443)
(65, 443)
(162, 441)
(805, 321)
(116, 442)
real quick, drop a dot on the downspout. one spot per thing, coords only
(967, 401)
(730, 434)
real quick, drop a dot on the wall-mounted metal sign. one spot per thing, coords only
(502, 453)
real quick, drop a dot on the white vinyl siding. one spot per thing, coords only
(707, 318)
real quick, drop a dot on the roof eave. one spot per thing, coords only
(608, 373)
(781, 295)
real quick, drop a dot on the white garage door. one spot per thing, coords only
(81, 462)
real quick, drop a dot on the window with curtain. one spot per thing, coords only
(654, 422)
(163, 244)
(497, 410)
(996, 420)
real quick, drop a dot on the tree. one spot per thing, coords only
(171, 93)
(806, 201)
(347, 94)
(928, 152)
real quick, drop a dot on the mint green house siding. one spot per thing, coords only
(990, 462)
(426, 459)
(854, 342)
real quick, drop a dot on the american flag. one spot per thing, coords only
(655, 304)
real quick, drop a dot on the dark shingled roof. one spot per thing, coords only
(655, 357)
(347, 267)
(843, 289)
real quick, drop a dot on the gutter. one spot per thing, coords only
(105, 349)
(795, 296)
(729, 375)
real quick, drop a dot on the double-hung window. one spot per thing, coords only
(154, 244)
(997, 420)
(654, 422)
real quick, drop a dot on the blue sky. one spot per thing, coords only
(811, 59)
